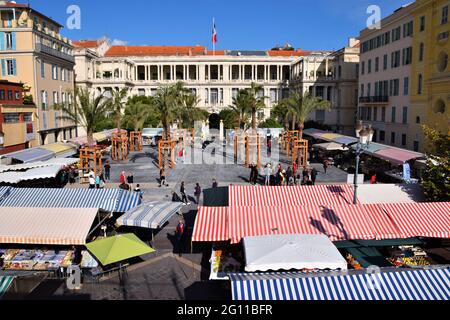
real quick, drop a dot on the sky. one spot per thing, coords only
(240, 24)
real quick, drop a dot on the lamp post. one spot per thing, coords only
(365, 136)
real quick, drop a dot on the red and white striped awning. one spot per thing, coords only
(46, 226)
(340, 222)
(290, 196)
(430, 219)
(383, 226)
(211, 224)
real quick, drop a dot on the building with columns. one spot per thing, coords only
(216, 77)
(333, 76)
(33, 52)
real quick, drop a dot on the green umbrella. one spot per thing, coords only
(118, 248)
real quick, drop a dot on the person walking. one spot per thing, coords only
(130, 180)
(197, 193)
(325, 166)
(107, 168)
(183, 194)
(91, 180)
(97, 181)
(255, 174)
(122, 177)
(162, 178)
(305, 174)
(313, 175)
(138, 190)
(215, 184)
(373, 179)
(251, 173)
(179, 234)
(269, 146)
(289, 176)
(267, 173)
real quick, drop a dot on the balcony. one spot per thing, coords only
(374, 100)
(53, 52)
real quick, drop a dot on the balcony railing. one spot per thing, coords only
(374, 99)
(53, 52)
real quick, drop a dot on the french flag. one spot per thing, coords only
(214, 33)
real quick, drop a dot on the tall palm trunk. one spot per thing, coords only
(301, 126)
(293, 121)
(253, 118)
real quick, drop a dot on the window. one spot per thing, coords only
(377, 64)
(416, 146)
(394, 110)
(44, 121)
(221, 95)
(396, 34)
(406, 86)
(408, 29)
(395, 59)
(9, 67)
(369, 114)
(44, 100)
(10, 95)
(375, 114)
(407, 56)
(418, 120)
(444, 19)
(141, 92)
(363, 66)
(383, 114)
(393, 137)
(362, 90)
(369, 66)
(369, 89)
(421, 51)
(214, 96)
(442, 62)
(10, 41)
(382, 135)
(403, 139)
(207, 96)
(28, 117)
(55, 72)
(385, 62)
(55, 97)
(11, 117)
(235, 91)
(419, 84)
(422, 23)
(273, 95)
(394, 87)
(63, 75)
(405, 115)
(18, 95)
(2, 94)
(42, 69)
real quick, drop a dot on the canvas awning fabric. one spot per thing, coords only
(397, 155)
(61, 149)
(46, 226)
(111, 200)
(98, 137)
(51, 162)
(14, 177)
(151, 215)
(330, 146)
(294, 251)
(31, 155)
(429, 219)
(211, 224)
(5, 283)
(118, 248)
(416, 284)
(290, 196)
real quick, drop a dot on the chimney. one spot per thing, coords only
(352, 42)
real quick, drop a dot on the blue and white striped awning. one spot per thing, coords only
(411, 284)
(151, 215)
(112, 200)
(5, 283)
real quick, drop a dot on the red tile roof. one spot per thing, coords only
(287, 53)
(216, 53)
(155, 51)
(15, 5)
(86, 43)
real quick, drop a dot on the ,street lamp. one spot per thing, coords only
(365, 136)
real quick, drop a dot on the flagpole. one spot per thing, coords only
(214, 43)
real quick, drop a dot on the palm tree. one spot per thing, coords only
(189, 112)
(302, 105)
(241, 107)
(117, 105)
(135, 115)
(282, 111)
(256, 100)
(88, 110)
(165, 102)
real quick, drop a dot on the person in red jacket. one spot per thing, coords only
(179, 233)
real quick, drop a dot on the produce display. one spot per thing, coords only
(352, 262)
(15, 259)
(409, 256)
(221, 264)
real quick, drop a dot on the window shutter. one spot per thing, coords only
(14, 73)
(2, 41)
(3, 62)
(13, 41)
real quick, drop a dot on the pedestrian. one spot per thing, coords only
(373, 179)
(124, 186)
(267, 173)
(305, 173)
(122, 177)
(289, 174)
(255, 174)
(251, 173)
(91, 180)
(107, 168)
(313, 175)
(138, 190)
(97, 181)
(179, 234)
(162, 178)
(325, 165)
(183, 194)
(269, 146)
(215, 184)
(130, 179)
(197, 193)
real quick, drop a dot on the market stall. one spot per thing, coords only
(291, 252)
(225, 259)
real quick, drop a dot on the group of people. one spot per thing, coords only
(96, 181)
(184, 198)
(286, 177)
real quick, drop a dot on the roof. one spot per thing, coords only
(211, 224)
(46, 172)
(118, 51)
(11, 4)
(287, 53)
(48, 226)
(51, 162)
(112, 200)
(30, 155)
(416, 284)
(87, 43)
(291, 251)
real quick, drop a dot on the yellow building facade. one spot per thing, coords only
(430, 85)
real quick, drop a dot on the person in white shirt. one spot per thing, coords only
(268, 173)
(91, 180)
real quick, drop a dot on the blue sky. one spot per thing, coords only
(241, 24)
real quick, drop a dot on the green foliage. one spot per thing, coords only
(270, 123)
(28, 99)
(135, 115)
(436, 178)
(229, 118)
(239, 110)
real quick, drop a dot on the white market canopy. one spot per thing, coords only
(330, 146)
(151, 215)
(14, 177)
(291, 251)
(46, 226)
(62, 162)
